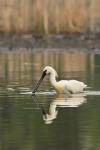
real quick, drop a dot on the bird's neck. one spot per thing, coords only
(53, 80)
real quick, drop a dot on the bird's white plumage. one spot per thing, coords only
(73, 86)
(50, 70)
(64, 86)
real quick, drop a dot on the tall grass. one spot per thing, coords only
(49, 16)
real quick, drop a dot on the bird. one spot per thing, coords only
(63, 86)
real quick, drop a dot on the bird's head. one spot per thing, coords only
(49, 70)
(46, 71)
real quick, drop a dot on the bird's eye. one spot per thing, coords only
(45, 71)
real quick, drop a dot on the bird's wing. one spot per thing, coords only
(75, 86)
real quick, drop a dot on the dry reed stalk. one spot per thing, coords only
(38, 15)
(20, 17)
(94, 15)
(7, 14)
(45, 14)
(57, 16)
(75, 15)
(1, 15)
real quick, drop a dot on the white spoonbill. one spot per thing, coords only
(63, 86)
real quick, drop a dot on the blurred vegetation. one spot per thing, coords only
(24, 68)
(49, 16)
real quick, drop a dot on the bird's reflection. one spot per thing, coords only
(61, 100)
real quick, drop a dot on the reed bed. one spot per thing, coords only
(49, 16)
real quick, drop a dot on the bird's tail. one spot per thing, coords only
(87, 87)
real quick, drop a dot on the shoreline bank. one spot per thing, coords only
(14, 42)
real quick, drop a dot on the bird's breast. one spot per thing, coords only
(60, 87)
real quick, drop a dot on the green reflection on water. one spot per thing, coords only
(21, 118)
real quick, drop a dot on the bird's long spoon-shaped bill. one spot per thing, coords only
(38, 83)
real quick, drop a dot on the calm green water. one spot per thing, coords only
(48, 121)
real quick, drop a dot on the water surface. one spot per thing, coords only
(48, 121)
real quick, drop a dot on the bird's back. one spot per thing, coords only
(73, 86)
